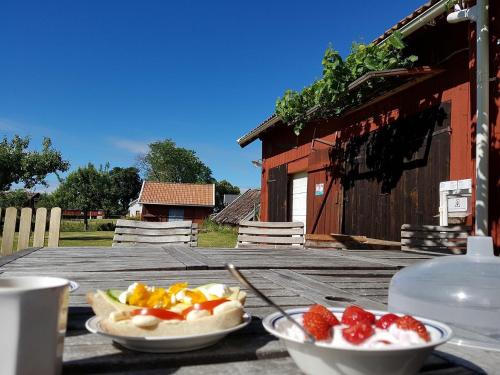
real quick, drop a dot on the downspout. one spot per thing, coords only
(479, 14)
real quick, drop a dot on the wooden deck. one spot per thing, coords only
(290, 277)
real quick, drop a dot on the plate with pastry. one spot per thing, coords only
(172, 319)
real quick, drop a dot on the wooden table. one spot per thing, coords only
(290, 277)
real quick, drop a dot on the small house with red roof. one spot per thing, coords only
(165, 201)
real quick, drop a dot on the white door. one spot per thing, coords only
(299, 197)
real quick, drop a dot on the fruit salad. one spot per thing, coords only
(138, 294)
(356, 327)
(177, 297)
(178, 309)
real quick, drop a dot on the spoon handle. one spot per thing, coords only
(242, 279)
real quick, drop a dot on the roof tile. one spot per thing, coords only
(174, 194)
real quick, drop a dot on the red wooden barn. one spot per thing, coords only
(163, 201)
(79, 214)
(379, 164)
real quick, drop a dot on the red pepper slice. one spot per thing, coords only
(158, 313)
(207, 305)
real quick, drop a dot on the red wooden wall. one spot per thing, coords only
(450, 52)
(151, 212)
(453, 48)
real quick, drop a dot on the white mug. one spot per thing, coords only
(33, 316)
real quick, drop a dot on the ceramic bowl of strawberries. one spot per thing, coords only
(355, 341)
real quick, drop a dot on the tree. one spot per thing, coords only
(223, 187)
(165, 162)
(85, 189)
(125, 185)
(18, 165)
(47, 200)
(15, 198)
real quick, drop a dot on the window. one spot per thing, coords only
(175, 214)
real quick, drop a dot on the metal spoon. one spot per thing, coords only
(242, 279)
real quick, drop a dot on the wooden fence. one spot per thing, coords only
(25, 226)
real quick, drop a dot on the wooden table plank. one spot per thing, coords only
(110, 259)
(322, 293)
(291, 278)
(19, 254)
(290, 259)
(186, 255)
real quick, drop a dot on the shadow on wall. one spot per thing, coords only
(394, 172)
(383, 155)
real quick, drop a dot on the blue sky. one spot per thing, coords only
(103, 78)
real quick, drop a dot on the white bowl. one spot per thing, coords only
(322, 358)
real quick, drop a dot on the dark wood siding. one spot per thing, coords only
(154, 212)
(278, 193)
(393, 174)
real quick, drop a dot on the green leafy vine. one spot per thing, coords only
(329, 96)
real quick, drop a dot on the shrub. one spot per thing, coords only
(71, 226)
(110, 226)
(209, 225)
(94, 225)
(135, 218)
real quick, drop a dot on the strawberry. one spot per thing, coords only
(317, 326)
(325, 313)
(386, 320)
(408, 322)
(358, 332)
(354, 314)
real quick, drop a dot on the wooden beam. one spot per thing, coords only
(54, 227)
(23, 240)
(399, 72)
(9, 228)
(271, 240)
(139, 239)
(40, 224)
(268, 224)
(153, 225)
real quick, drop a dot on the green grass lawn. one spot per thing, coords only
(212, 236)
(207, 239)
(68, 239)
(217, 239)
(101, 238)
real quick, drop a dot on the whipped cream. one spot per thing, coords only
(210, 291)
(123, 297)
(217, 290)
(180, 296)
(382, 338)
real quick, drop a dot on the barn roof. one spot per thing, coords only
(242, 208)
(274, 120)
(173, 194)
